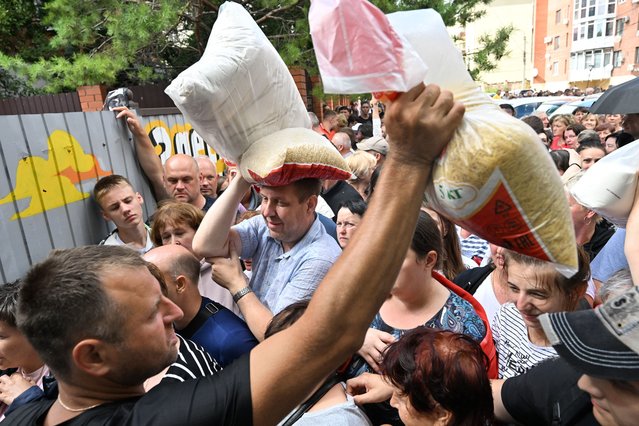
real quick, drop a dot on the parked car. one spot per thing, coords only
(551, 105)
(570, 107)
(523, 106)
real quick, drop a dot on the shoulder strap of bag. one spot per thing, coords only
(200, 318)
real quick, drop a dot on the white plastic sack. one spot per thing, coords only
(240, 90)
(495, 178)
(358, 51)
(608, 187)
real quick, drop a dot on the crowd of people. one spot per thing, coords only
(328, 301)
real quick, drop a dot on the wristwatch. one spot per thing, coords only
(237, 296)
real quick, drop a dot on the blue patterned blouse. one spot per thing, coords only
(456, 315)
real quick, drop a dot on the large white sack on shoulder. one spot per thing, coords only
(608, 187)
(495, 178)
(345, 33)
(240, 90)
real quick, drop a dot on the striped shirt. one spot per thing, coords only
(473, 247)
(516, 354)
(192, 362)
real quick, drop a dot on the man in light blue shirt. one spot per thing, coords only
(289, 247)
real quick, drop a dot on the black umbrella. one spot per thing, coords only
(621, 99)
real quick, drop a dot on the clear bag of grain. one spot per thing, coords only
(494, 178)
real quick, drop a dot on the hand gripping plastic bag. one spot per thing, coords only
(495, 178)
(240, 92)
(608, 187)
(358, 51)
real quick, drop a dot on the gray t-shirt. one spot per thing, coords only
(346, 414)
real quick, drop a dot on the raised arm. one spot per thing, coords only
(145, 151)
(287, 366)
(213, 236)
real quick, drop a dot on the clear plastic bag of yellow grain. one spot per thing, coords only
(495, 178)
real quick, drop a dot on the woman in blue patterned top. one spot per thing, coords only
(417, 299)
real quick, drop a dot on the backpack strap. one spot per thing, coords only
(205, 312)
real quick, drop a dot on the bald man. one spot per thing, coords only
(180, 176)
(208, 176)
(342, 142)
(182, 181)
(209, 324)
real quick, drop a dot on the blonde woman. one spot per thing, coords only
(362, 165)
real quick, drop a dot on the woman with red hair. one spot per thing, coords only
(435, 377)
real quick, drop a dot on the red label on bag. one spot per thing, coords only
(501, 220)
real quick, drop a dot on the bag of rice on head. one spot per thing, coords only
(608, 187)
(241, 93)
(495, 178)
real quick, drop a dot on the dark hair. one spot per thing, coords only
(452, 263)
(534, 122)
(343, 108)
(171, 212)
(624, 139)
(432, 366)
(157, 273)
(589, 143)
(307, 187)
(328, 113)
(349, 132)
(286, 318)
(357, 207)
(576, 128)
(561, 158)
(373, 182)
(548, 276)
(9, 302)
(367, 130)
(62, 301)
(508, 107)
(427, 238)
(581, 109)
(614, 136)
(107, 184)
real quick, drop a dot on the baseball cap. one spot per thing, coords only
(376, 143)
(601, 342)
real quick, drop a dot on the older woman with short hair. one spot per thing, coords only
(176, 223)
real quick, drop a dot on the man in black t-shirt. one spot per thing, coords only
(98, 319)
(603, 345)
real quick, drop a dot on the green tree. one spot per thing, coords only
(57, 45)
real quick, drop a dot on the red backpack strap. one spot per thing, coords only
(487, 344)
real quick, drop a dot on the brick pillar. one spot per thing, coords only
(317, 102)
(92, 97)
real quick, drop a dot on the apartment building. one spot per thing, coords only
(515, 69)
(586, 43)
(558, 44)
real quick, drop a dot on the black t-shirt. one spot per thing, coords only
(548, 395)
(222, 399)
(362, 120)
(339, 194)
(208, 202)
(603, 231)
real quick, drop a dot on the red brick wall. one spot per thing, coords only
(92, 97)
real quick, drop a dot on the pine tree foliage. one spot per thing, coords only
(57, 45)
